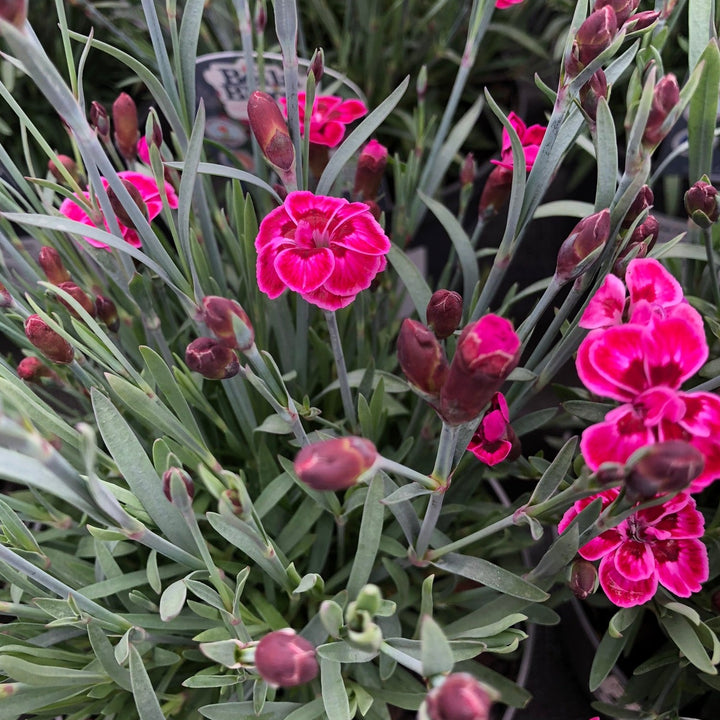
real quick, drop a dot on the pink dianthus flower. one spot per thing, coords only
(654, 546)
(150, 194)
(504, 4)
(330, 115)
(494, 438)
(324, 248)
(530, 138)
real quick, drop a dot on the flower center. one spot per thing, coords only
(320, 238)
(636, 529)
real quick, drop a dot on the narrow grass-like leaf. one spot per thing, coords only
(334, 695)
(47, 675)
(369, 540)
(684, 635)
(702, 117)
(605, 658)
(606, 154)
(146, 701)
(105, 654)
(492, 575)
(238, 710)
(555, 474)
(19, 699)
(436, 653)
(700, 21)
(412, 278)
(189, 32)
(357, 137)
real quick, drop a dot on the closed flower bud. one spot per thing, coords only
(260, 19)
(14, 12)
(593, 36)
(52, 265)
(460, 697)
(32, 369)
(271, 131)
(421, 357)
(641, 21)
(107, 312)
(180, 473)
(335, 464)
(119, 209)
(647, 233)
(495, 192)
(284, 659)
(666, 97)
(623, 8)
(421, 83)
(317, 65)
(100, 120)
(701, 204)
(211, 359)
(370, 169)
(69, 164)
(230, 503)
(631, 251)
(6, 299)
(643, 200)
(125, 122)
(583, 246)
(78, 295)
(594, 89)
(610, 473)
(227, 320)
(444, 312)
(583, 579)
(664, 467)
(488, 350)
(468, 170)
(52, 345)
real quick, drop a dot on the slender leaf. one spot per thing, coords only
(334, 695)
(436, 653)
(369, 540)
(146, 701)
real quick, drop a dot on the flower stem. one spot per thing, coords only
(707, 236)
(491, 529)
(396, 468)
(441, 474)
(342, 373)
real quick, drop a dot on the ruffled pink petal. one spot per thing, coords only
(326, 300)
(143, 150)
(356, 229)
(491, 453)
(329, 133)
(304, 270)
(534, 135)
(621, 591)
(494, 426)
(352, 272)
(648, 280)
(679, 519)
(682, 565)
(634, 560)
(607, 496)
(614, 441)
(674, 351)
(530, 153)
(659, 404)
(619, 357)
(710, 448)
(606, 306)
(315, 209)
(130, 236)
(276, 225)
(603, 544)
(349, 110)
(73, 211)
(702, 413)
(268, 280)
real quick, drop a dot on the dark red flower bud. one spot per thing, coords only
(6, 299)
(444, 312)
(623, 8)
(52, 345)
(647, 233)
(701, 204)
(487, 351)
(460, 697)
(32, 369)
(594, 89)
(227, 320)
(421, 357)
(642, 21)
(14, 12)
(284, 659)
(52, 265)
(100, 120)
(583, 246)
(230, 503)
(593, 36)
(180, 473)
(631, 251)
(610, 473)
(211, 359)
(496, 191)
(79, 295)
(271, 131)
(120, 210)
(666, 97)
(468, 170)
(69, 164)
(583, 579)
(260, 18)
(335, 464)
(370, 169)
(107, 312)
(664, 467)
(643, 200)
(125, 122)
(317, 65)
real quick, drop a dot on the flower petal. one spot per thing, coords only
(682, 565)
(648, 280)
(304, 269)
(621, 591)
(634, 560)
(268, 280)
(606, 305)
(614, 441)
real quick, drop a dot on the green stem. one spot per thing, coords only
(501, 524)
(525, 330)
(432, 515)
(707, 236)
(341, 368)
(396, 468)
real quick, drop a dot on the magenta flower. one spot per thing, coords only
(493, 439)
(530, 138)
(150, 193)
(324, 248)
(143, 150)
(504, 4)
(330, 115)
(654, 546)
